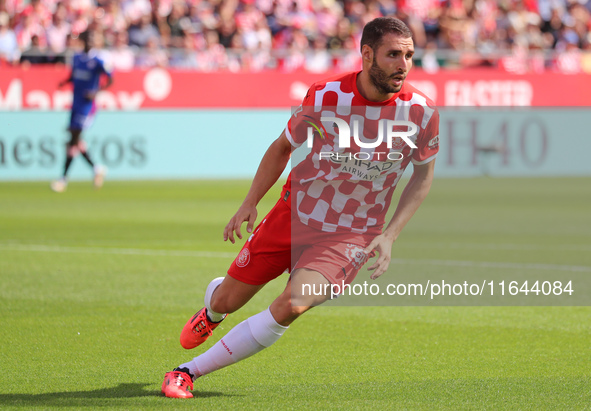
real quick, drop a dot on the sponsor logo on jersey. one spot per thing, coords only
(363, 170)
(434, 142)
(317, 128)
(79, 74)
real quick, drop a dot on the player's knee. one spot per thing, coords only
(297, 310)
(74, 137)
(72, 150)
(285, 310)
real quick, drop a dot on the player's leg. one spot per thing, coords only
(84, 151)
(318, 268)
(72, 149)
(82, 148)
(80, 120)
(224, 295)
(296, 300)
(249, 337)
(71, 152)
(99, 170)
(265, 256)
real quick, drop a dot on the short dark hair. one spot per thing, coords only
(84, 37)
(374, 31)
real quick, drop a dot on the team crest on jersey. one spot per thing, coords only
(355, 255)
(243, 258)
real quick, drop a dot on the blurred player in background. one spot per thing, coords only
(88, 68)
(337, 217)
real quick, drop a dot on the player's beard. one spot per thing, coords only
(380, 79)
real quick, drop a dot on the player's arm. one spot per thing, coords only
(413, 195)
(92, 94)
(272, 165)
(108, 83)
(65, 81)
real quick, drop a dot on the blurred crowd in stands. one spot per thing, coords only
(314, 35)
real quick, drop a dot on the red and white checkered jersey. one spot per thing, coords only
(336, 188)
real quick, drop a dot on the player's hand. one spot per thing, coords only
(244, 213)
(91, 95)
(383, 245)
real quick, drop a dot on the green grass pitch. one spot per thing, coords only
(96, 286)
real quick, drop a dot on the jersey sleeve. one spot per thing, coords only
(427, 142)
(302, 118)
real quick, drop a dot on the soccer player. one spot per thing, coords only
(87, 70)
(330, 217)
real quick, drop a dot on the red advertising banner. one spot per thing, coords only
(36, 88)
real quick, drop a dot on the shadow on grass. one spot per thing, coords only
(91, 398)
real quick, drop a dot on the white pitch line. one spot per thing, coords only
(109, 250)
(486, 264)
(215, 254)
(492, 246)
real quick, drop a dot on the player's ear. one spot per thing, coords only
(367, 53)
